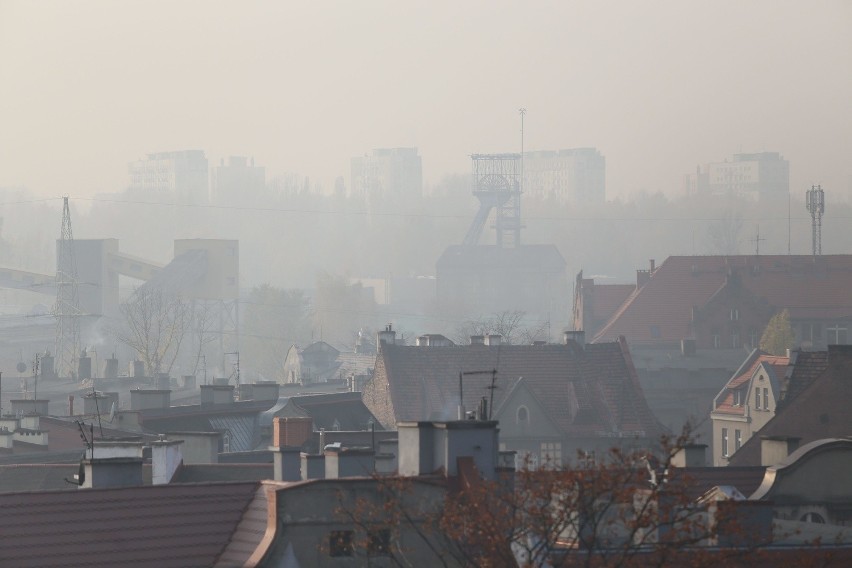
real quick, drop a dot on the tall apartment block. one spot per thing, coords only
(752, 176)
(181, 176)
(577, 175)
(387, 172)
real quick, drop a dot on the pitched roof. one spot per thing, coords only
(598, 382)
(37, 477)
(345, 409)
(820, 410)
(808, 286)
(163, 525)
(775, 366)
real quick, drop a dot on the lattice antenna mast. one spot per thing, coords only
(67, 309)
(815, 203)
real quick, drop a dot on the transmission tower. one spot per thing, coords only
(815, 203)
(67, 309)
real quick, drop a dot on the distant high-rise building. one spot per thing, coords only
(237, 181)
(570, 176)
(387, 172)
(181, 175)
(752, 176)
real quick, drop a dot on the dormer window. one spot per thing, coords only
(737, 398)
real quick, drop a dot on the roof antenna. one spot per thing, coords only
(98, 410)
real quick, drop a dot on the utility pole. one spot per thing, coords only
(522, 111)
(35, 377)
(757, 240)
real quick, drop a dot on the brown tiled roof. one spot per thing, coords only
(598, 380)
(164, 525)
(808, 365)
(608, 297)
(819, 410)
(808, 286)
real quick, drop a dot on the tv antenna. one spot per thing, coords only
(815, 204)
(493, 372)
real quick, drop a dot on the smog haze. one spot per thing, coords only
(658, 87)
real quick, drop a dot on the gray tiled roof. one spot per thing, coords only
(164, 526)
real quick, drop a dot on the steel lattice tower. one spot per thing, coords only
(815, 203)
(497, 185)
(67, 309)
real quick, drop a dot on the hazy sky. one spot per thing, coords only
(87, 86)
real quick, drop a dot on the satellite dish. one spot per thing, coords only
(22, 367)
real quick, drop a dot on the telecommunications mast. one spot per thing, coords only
(815, 203)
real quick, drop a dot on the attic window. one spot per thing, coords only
(735, 314)
(737, 398)
(523, 415)
(336, 425)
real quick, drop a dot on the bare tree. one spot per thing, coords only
(623, 509)
(509, 324)
(154, 326)
(204, 323)
(725, 234)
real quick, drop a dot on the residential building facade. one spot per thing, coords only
(747, 403)
(753, 176)
(575, 175)
(181, 176)
(387, 173)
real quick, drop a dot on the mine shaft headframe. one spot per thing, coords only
(497, 185)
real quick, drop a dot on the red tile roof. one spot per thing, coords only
(776, 366)
(809, 287)
(164, 526)
(598, 380)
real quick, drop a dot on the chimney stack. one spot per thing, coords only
(386, 336)
(577, 336)
(774, 449)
